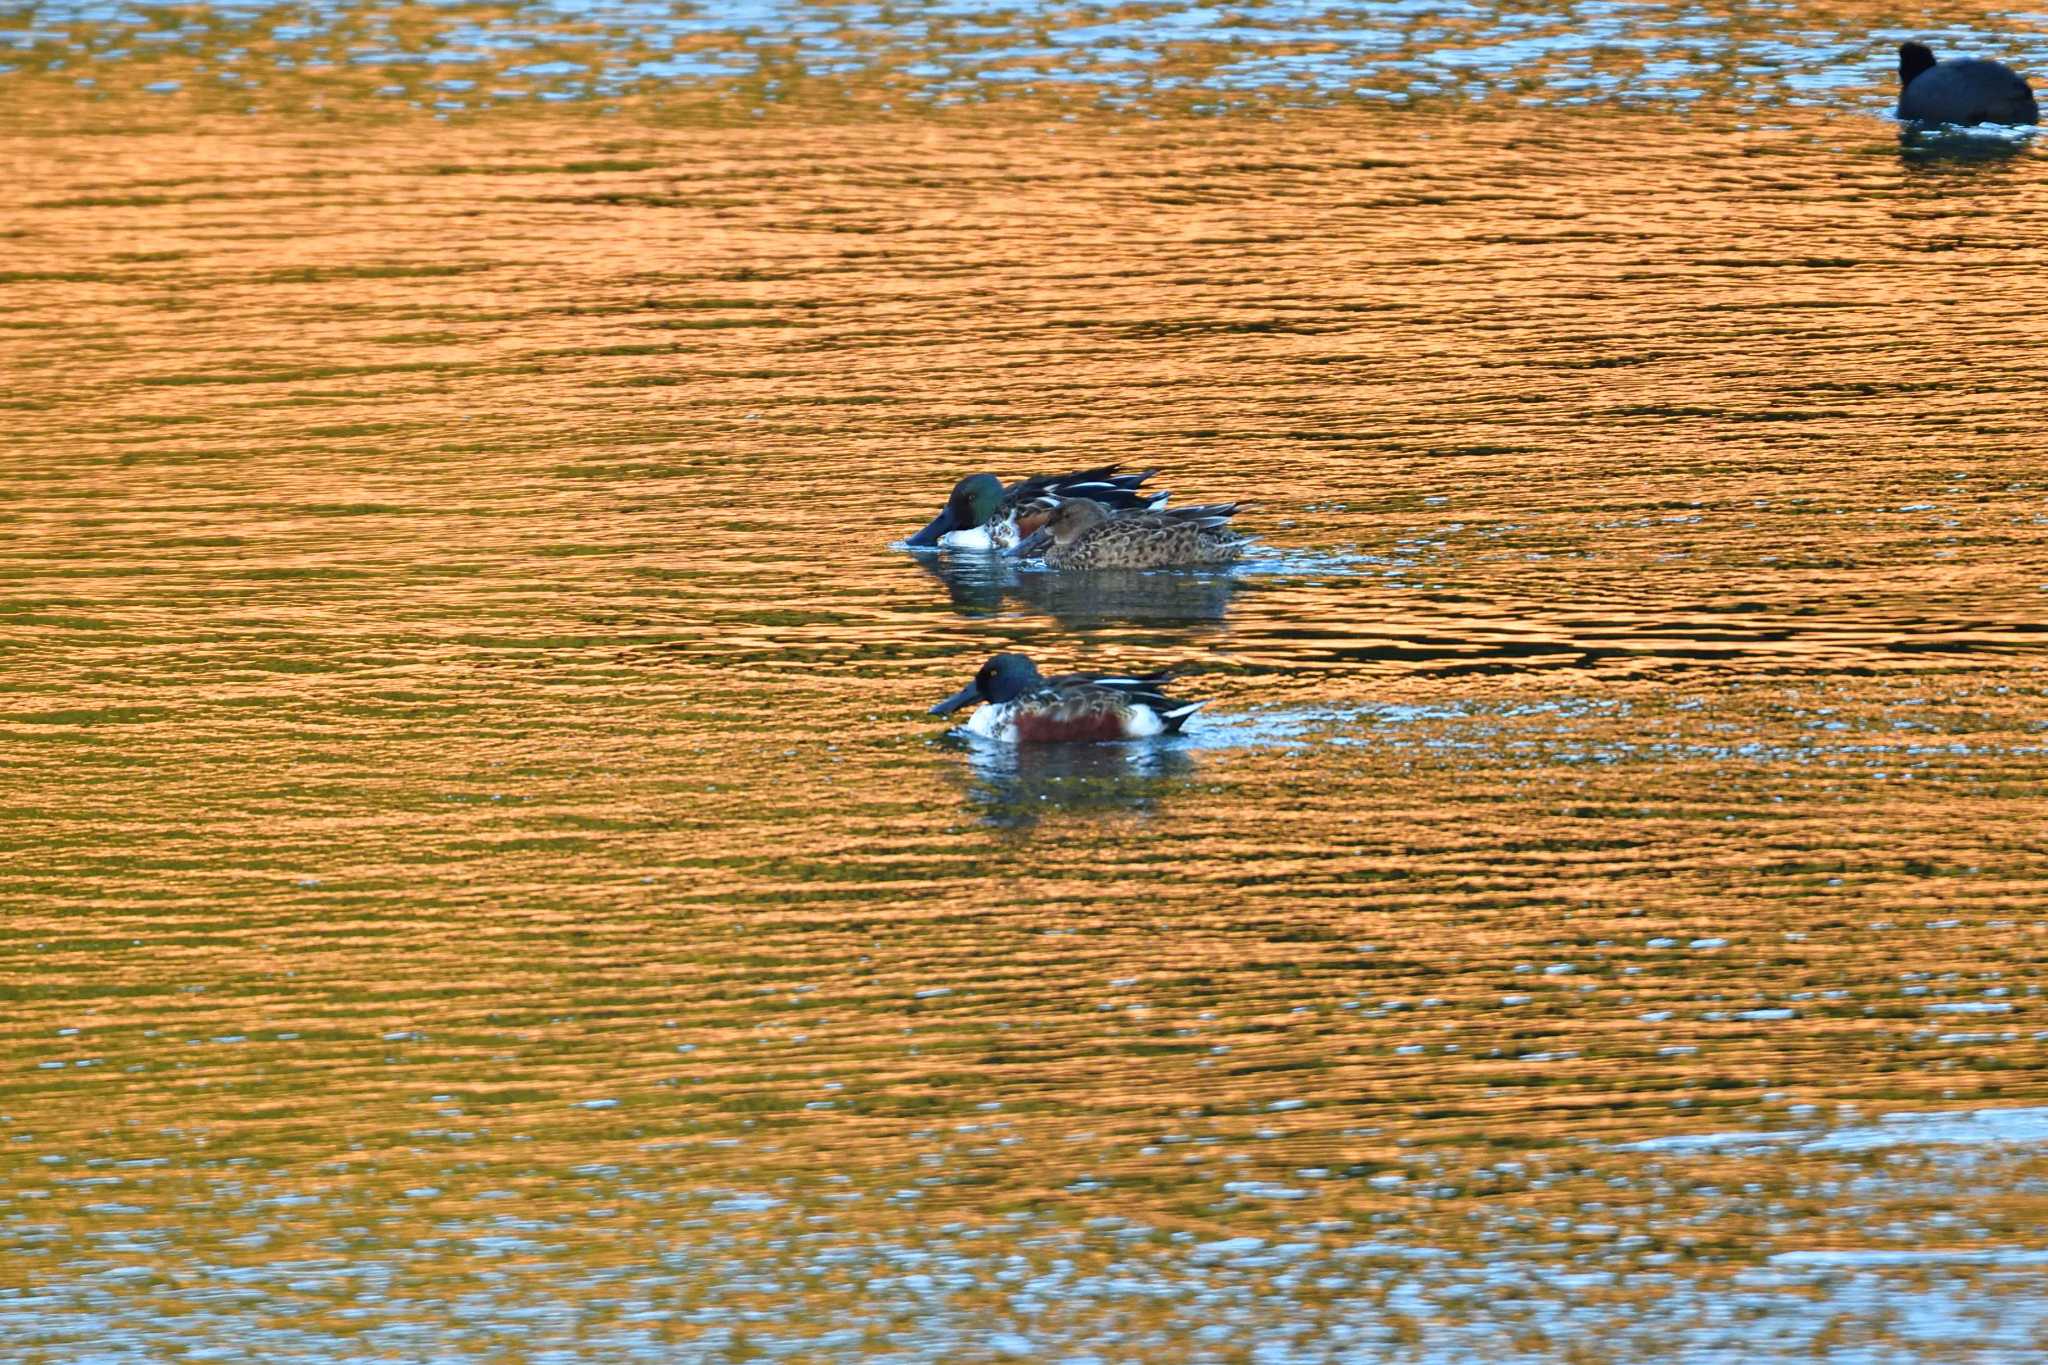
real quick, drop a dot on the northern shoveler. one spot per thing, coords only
(981, 514)
(1084, 534)
(1022, 706)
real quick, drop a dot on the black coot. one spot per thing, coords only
(1961, 90)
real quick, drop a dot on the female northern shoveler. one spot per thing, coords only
(1022, 706)
(1087, 535)
(981, 514)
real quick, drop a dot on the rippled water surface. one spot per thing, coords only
(479, 878)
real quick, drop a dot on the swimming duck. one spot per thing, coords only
(1020, 705)
(1084, 534)
(1961, 90)
(981, 514)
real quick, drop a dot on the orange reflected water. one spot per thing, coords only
(480, 878)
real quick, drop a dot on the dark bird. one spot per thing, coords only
(1962, 90)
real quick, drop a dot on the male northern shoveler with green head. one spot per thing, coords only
(981, 514)
(1022, 706)
(1086, 535)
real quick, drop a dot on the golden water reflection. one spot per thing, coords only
(481, 879)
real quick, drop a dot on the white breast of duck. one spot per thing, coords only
(997, 533)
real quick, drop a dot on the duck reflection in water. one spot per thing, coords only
(1924, 149)
(981, 585)
(1016, 784)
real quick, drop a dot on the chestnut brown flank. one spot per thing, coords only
(1069, 724)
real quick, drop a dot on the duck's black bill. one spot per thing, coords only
(939, 525)
(953, 703)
